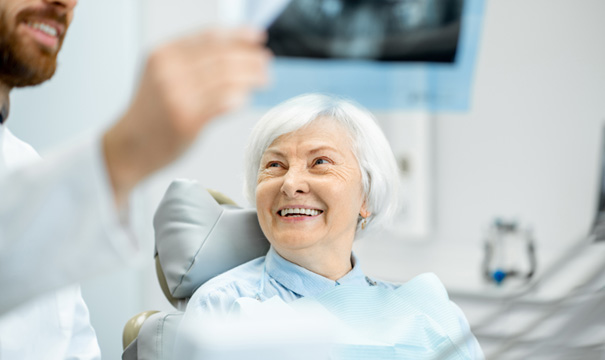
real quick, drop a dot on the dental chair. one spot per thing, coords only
(198, 234)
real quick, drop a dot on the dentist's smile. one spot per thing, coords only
(45, 32)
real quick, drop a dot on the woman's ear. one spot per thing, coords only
(364, 211)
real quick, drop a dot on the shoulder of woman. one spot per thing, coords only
(224, 289)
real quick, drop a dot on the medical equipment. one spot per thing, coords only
(598, 227)
(559, 313)
(509, 252)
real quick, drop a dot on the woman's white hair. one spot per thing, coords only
(379, 173)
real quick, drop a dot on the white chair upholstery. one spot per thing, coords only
(198, 235)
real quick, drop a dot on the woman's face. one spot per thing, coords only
(309, 193)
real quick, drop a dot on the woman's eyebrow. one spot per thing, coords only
(324, 148)
(313, 150)
(273, 152)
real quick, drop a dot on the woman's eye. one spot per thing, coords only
(273, 164)
(321, 161)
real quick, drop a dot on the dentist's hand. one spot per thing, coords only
(185, 84)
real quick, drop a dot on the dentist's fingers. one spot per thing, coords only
(185, 84)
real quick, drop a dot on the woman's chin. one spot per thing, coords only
(293, 241)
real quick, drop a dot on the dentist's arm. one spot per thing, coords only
(185, 84)
(59, 222)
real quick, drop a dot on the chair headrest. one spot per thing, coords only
(197, 238)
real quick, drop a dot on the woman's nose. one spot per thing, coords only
(295, 183)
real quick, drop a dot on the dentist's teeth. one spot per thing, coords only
(49, 30)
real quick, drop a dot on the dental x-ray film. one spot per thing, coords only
(386, 30)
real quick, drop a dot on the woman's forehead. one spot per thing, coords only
(320, 134)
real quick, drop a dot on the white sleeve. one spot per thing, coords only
(83, 343)
(59, 225)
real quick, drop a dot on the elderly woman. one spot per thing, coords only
(321, 174)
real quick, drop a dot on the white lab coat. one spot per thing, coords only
(54, 326)
(58, 225)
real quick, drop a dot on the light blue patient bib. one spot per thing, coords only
(414, 321)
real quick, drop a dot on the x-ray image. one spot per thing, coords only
(388, 30)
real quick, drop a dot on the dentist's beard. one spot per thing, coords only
(23, 63)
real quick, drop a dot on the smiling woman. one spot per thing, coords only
(321, 174)
(309, 196)
(348, 129)
(313, 152)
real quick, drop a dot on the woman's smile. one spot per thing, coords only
(296, 214)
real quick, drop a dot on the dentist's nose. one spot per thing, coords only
(295, 183)
(66, 5)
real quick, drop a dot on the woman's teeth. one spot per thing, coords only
(299, 212)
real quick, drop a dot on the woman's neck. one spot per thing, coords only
(329, 264)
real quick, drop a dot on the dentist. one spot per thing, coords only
(65, 219)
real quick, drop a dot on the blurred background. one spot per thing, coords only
(524, 145)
